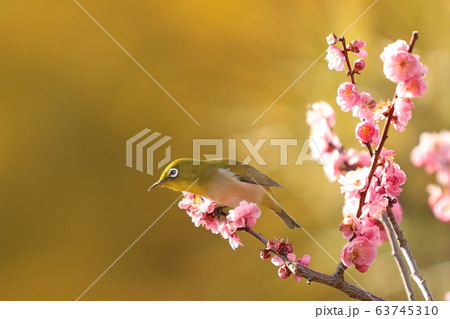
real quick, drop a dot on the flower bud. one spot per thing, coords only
(331, 39)
(284, 272)
(359, 65)
(265, 254)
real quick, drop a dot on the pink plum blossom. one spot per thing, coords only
(211, 223)
(399, 45)
(376, 207)
(412, 87)
(367, 132)
(392, 178)
(386, 155)
(339, 161)
(433, 151)
(347, 96)
(415, 86)
(434, 193)
(443, 175)
(335, 58)
(402, 113)
(365, 107)
(326, 141)
(361, 252)
(354, 182)
(277, 260)
(380, 111)
(395, 57)
(358, 46)
(404, 68)
(320, 117)
(355, 158)
(441, 208)
(279, 247)
(350, 207)
(334, 163)
(372, 234)
(305, 260)
(226, 233)
(439, 203)
(245, 215)
(401, 66)
(196, 203)
(350, 226)
(201, 211)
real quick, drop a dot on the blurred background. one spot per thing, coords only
(70, 98)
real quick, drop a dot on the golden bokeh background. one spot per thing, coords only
(70, 98)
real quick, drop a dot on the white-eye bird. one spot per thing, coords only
(224, 183)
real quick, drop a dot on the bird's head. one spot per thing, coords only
(178, 175)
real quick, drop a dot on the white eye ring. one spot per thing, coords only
(173, 172)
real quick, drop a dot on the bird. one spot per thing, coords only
(224, 183)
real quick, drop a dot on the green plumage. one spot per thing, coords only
(225, 183)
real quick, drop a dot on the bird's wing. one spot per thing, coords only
(249, 174)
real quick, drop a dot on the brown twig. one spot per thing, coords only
(412, 42)
(407, 254)
(389, 224)
(398, 258)
(350, 72)
(384, 136)
(376, 157)
(369, 148)
(393, 225)
(335, 281)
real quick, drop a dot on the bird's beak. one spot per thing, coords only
(157, 184)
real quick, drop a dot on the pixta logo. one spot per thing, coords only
(143, 145)
(308, 152)
(141, 149)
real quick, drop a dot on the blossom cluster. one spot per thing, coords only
(399, 66)
(336, 57)
(203, 213)
(279, 247)
(361, 223)
(404, 68)
(433, 154)
(321, 118)
(369, 188)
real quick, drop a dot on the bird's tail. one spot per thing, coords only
(288, 220)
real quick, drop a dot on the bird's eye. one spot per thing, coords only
(173, 172)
